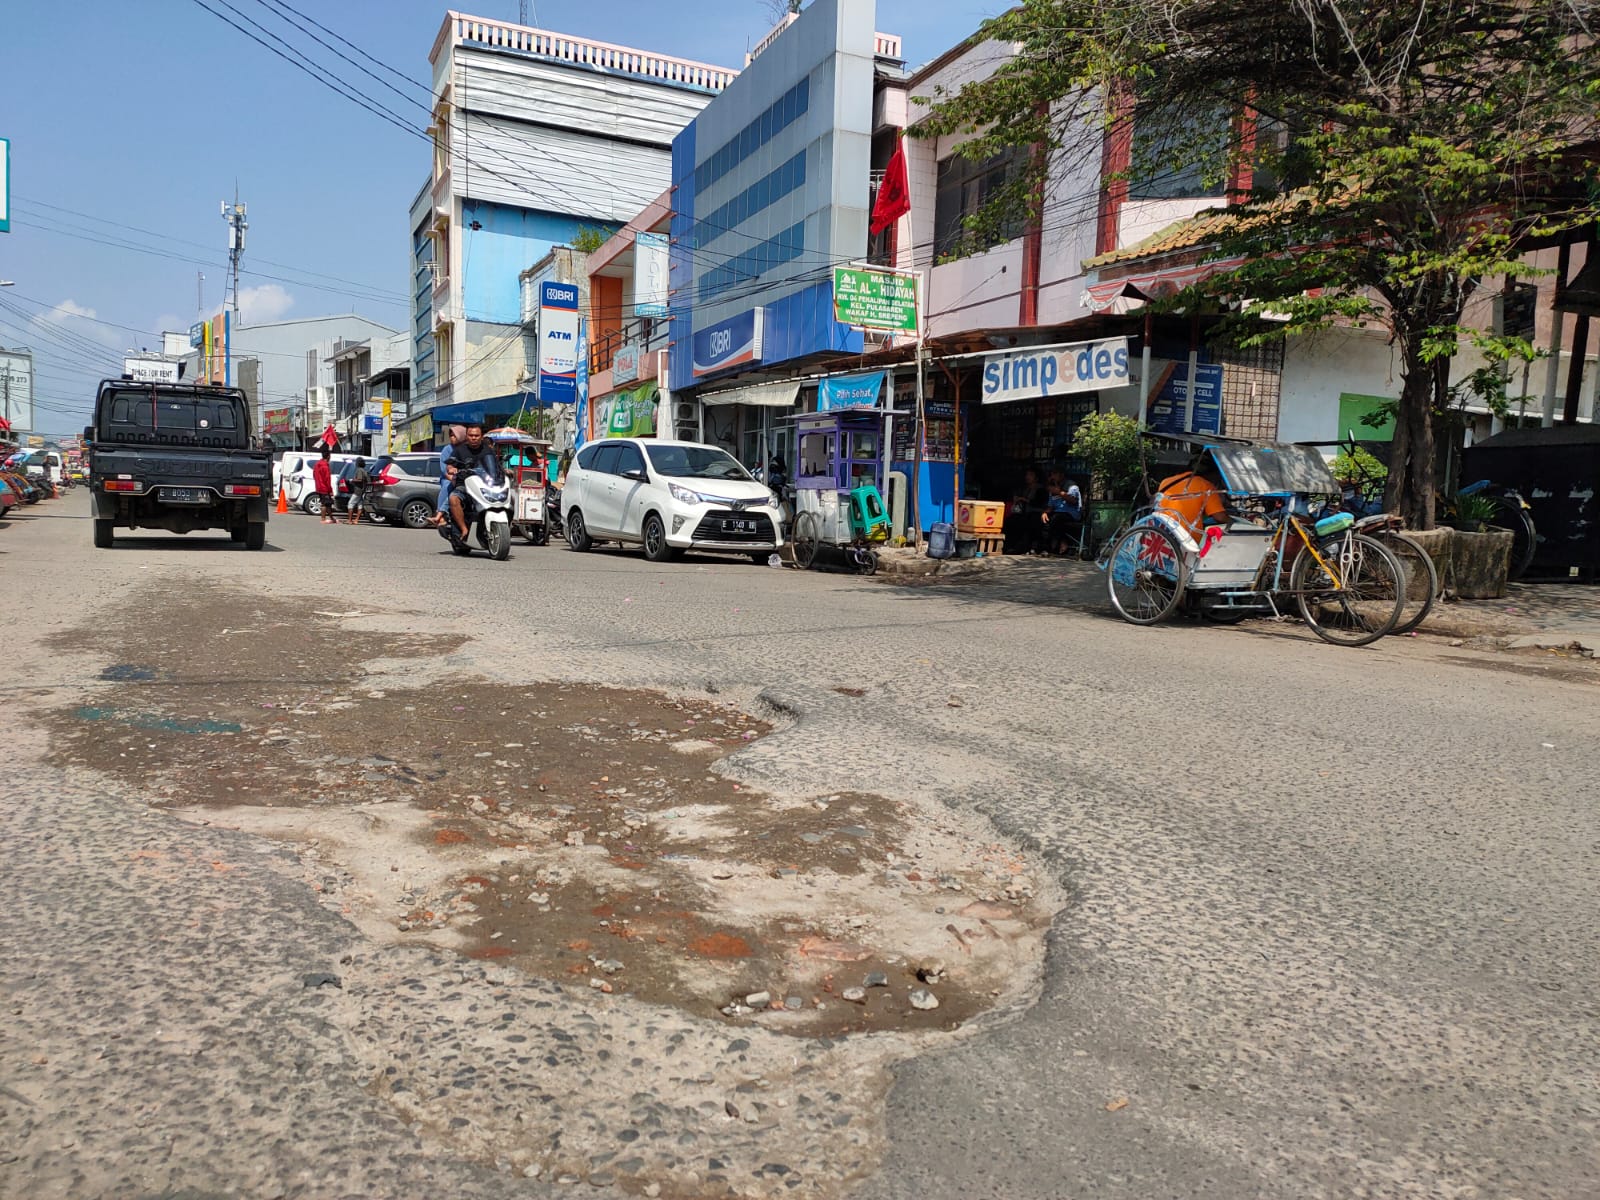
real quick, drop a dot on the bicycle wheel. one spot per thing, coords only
(1509, 514)
(807, 537)
(1362, 598)
(1421, 577)
(1146, 575)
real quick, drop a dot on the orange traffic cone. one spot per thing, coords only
(283, 500)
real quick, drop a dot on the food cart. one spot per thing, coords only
(526, 460)
(837, 501)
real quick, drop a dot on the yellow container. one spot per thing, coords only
(980, 518)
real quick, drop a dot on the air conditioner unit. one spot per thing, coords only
(685, 413)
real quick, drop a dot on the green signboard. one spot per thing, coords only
(875, 299)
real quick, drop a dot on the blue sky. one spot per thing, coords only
(145, 114)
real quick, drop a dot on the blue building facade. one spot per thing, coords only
(770, 192)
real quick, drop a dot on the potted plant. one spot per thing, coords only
(1109, 443)
(1480, 555)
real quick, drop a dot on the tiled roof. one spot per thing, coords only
(1181, 235)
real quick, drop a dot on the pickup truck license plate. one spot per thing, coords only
(176, 495)
(740, 526)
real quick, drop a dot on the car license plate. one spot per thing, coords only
(740, 526)
(175, 495)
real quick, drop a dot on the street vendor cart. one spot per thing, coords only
(837, 501)
(526, 460)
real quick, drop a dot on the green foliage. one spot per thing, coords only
(1414, 148)
(588, 239)
(537, 422)
(1360, 469)
(1473, 513)
(1109, 442)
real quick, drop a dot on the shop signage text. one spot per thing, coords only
(1169, 404)
(1055, 370)
(625, 366)
(875, 299)
(558, 342)
(277, 420)
(847, 391)
(730, 343)
(150, 370)
(650, 275)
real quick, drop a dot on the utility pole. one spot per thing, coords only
(200, 293)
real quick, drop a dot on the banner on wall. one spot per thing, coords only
(849, 391)
(580, 407)
(650, 275)
(631, 413)
(1169, 403)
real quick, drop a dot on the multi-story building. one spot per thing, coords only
(369, 375)
(771, 188)
(538, 138)
(285, 364)
(423, 359)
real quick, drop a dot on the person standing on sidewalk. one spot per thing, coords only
(322, 484)
(360, 481)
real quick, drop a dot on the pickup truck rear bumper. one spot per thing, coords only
(203, 508)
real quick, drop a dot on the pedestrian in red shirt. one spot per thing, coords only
(322, 484)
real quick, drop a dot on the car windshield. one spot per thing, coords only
(695, 462)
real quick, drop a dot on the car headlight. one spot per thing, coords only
(684, 496)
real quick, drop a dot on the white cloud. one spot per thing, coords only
(69, 314)
(265, 303)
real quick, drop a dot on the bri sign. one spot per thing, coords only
(1055, 370)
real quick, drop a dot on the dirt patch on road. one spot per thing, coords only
(579, 834)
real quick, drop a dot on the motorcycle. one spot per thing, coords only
(486, 505)
(552, 513)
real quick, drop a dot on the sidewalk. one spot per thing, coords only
(1529, 616)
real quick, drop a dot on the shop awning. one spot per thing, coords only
(1153, 284)
(761, 395)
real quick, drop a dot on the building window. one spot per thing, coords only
(1179, 157)
(966, 186)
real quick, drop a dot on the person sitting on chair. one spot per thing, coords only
(1063, 512)
(1025, 516)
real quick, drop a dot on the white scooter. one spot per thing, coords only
(486, 504)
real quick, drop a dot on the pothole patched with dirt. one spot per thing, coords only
(575, 834)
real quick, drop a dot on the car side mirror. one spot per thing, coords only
(636, 475)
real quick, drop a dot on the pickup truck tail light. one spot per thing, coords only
(121, 485)
(241, 489)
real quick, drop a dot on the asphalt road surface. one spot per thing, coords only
(1327, 925)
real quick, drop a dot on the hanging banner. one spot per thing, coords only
(625, 366)
(277, 420)
(558, 342)
(850, 391)
(631, 413)
(580, 418)
(650, 275)
(1169, 403)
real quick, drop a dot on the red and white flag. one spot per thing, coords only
(894, 194)
(330, 435)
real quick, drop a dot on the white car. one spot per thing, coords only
(293, 471)
(668, 497)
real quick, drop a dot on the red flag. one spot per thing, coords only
(330, 435)
(894, 194)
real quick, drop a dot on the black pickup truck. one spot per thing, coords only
(176, 457)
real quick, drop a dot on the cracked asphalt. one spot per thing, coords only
(1327, 921)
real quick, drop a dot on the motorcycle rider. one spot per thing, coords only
(469, 455)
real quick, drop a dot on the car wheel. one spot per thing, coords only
(255, 535)
(577, 531)
(655, 540)
(312, 504)
(103, 534)
(417, 514)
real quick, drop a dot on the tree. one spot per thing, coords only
(1402, 152)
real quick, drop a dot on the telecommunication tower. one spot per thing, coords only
(234, 215)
